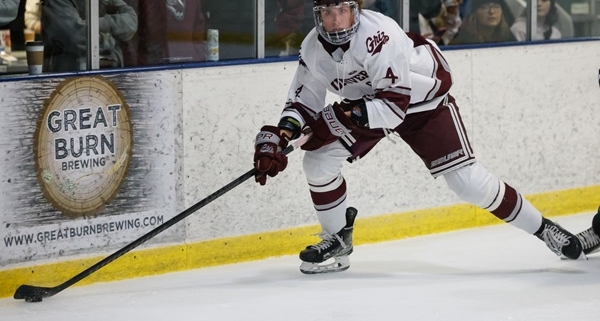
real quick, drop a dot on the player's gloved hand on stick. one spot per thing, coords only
(358, 111)
(331, 124)
(268, 159)
(347, 104)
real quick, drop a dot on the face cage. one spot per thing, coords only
(342, 36)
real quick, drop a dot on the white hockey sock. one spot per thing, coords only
(333, 220)
(530, 219)
(322, 168)
(329, 200)
(474, 184)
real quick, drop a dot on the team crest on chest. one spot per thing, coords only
(361, 76)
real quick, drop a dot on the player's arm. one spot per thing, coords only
(305, 100)
(272, 140)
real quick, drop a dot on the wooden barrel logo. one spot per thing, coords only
(82, 145)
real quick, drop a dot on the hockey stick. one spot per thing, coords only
(33, 293)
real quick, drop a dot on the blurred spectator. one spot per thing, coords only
(444, 27)
(9, 23)
(387, 7)
(429, 9)
(284, 26)
(168, 31)
(547, 17)
(8, 11)
(488, 22)
(149, 45)
(65, 33)
(33, 20)
(564, 23)
(186, 30)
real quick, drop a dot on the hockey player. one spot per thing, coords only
(387, 81)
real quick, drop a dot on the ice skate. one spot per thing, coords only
(590, 239)
(560, 241)
(334, 247)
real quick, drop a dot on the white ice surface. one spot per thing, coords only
(492, 273)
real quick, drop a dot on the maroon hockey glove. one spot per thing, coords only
(331, 124)
(268, 159)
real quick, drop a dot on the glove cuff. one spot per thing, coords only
(270, 135)
(291, 124)
(337, 122)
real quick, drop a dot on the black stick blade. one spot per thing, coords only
(31, 293)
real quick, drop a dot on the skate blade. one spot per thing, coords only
(593, 250)
(339, 264)
(581, 257)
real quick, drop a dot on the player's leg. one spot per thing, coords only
(474, 184)
(440, 139)
(323, 170)
(327, 186)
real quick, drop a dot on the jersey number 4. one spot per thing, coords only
(390, 74)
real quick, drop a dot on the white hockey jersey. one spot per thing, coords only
(395, 72)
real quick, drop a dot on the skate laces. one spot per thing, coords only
(555, 239)
(327, 241)
(588, 238)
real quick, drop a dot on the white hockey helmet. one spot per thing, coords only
(339, 37)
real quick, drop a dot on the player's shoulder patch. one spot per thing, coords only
(375, 31)
(376, 42)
